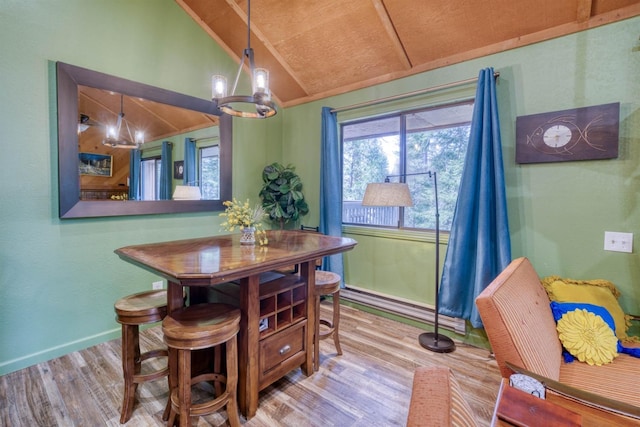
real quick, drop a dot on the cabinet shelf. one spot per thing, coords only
(282, 324)
(282, 303)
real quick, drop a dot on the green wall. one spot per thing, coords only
(59, 279)
(558, 212)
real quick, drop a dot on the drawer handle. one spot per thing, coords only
(285, 349)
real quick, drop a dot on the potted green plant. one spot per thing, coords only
(281, 194)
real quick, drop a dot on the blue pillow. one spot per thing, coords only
(560, 308)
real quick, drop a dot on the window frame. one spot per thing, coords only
(402, 114)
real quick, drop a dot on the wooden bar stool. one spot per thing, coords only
(327, 283)
(202, 326)
(132, 311)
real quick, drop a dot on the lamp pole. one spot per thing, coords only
(433, 341)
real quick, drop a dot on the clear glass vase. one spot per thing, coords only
(248, 236)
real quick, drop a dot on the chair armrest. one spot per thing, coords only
(599, 404)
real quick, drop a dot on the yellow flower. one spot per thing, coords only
(242, 215)
(587, 337)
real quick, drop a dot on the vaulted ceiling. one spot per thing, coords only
(318, 48)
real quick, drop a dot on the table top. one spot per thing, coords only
(218, 259)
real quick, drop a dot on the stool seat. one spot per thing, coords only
(142, 308)
(131, 312)
(199, 327)
(327, 283)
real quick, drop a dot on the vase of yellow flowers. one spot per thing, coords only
(247, 219)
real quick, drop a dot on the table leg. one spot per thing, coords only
(175, 297)
(308, 271)
(248, 348)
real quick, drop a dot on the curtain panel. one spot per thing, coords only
(331, 187)
(189, 173)
(166, 170)
(479, 243)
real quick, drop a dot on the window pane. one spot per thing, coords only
(371, 151)
(150, 179)
(210, 172)
(435, 139)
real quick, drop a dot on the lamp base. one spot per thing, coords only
(436, 342)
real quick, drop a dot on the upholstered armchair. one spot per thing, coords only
(515, 310)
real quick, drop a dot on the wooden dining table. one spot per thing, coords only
(200, 263)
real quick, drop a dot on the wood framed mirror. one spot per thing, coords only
(71, 81)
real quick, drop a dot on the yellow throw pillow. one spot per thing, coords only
(596, 292)
(587, 337)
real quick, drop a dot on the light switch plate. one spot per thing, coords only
(157, 285)
(618, 242)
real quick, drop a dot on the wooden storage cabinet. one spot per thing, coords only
(283, 312)
(283, 320)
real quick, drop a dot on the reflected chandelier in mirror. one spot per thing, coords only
(88, 101)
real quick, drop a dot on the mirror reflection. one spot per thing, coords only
(122, 141)
(111, 124)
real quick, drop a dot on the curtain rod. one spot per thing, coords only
(204, 138)
(496, 74)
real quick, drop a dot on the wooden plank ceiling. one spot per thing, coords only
(318, 48)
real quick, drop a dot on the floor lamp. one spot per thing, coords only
(397, 194)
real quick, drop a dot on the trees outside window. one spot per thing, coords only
(430, 139)
(209, 172)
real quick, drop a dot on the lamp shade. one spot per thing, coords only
(186, 192)
(387, 194)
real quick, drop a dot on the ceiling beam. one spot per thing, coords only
(387, 23)
(548, 34)
(265, 42)
(583, 13)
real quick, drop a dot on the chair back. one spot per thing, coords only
(518, 321)
(293, 269)
(309, 229)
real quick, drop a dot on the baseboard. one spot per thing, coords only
(402, 307)
(57, 351)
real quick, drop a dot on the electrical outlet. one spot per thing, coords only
(618, 242)
(157, 285)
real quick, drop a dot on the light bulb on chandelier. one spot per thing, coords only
(113, 138)
(243, 105)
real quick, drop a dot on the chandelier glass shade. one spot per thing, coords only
(114, 138)
(255, 106)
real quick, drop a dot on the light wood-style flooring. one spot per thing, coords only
(369, 385)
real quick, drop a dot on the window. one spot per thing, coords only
(209, 171)
(410, 142)
(150, 178)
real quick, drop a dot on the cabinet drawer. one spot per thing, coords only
(279, 351)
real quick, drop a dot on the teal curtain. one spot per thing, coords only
(166, 169)
(331, 187)
(189, 175)
(134, 174)
(479, 244)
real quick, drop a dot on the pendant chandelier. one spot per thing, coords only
(115, 140)
(256, 106)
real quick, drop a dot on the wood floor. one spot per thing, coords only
(369, 385)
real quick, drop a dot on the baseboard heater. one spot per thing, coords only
(401, 307)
